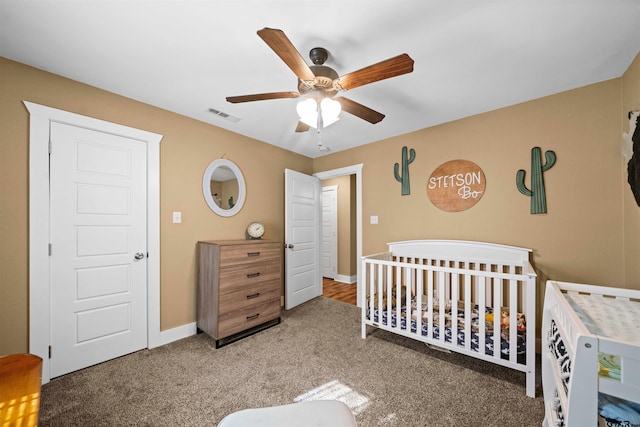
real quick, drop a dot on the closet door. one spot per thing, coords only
(98, 247)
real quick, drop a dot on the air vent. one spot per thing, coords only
(224, 115)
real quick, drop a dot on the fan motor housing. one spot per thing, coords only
(324, 81)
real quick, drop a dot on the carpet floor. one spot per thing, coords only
(315, 353)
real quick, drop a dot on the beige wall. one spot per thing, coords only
(590, 233)
(187, 148)
(631, 102)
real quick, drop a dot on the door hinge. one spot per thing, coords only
(49, 352)
(49, 146)
(49, 249)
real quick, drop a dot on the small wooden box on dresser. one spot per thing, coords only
(238, 287)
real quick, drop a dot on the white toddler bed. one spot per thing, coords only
(590, 355)
(428, 283)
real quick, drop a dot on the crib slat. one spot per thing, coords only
(454, 308)
(482, 314)
(407, 283)
(488, 287)
(513, 319)
(419, 294)
(372, 282)
(497, 314)
(430, 274)
(396, 284)
(467, 310)
(447, 280)
(442, 303)
(387, 302)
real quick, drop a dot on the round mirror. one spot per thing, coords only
(223, 187)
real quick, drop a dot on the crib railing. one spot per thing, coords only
(394, 283)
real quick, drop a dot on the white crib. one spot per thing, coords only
(421, 288)
(584, 329)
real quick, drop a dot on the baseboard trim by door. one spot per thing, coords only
(346, 279)
(175, 334)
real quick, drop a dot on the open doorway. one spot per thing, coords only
(338, 243)
(349, 229)
(338, 252)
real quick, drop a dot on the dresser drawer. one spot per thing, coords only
(248, 317)
(243, 296)
(249, 253)
(242, 275)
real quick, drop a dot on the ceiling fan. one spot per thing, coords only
(318, 81)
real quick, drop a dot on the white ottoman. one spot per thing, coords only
(314, 413)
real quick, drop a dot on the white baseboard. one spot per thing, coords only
(346, 279)
(175, 334)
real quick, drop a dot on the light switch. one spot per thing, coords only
(374, 219)
(177, 217)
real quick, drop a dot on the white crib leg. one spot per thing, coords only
(531, 383)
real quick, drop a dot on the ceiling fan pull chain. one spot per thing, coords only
(319, 127)
(320, 121)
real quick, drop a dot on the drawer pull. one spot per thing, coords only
(255, 316)
(256, 295)
(253, 253)
(250, 275)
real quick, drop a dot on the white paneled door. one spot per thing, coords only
(303, 279)
(329, 253)
(98, 247)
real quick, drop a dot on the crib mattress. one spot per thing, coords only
(448, 332)
(612, 318)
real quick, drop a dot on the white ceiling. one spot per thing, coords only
(187, 56)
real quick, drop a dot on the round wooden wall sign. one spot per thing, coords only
(456, 185)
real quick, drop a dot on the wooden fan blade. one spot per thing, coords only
(359, 110)
(262, 97)
(282, 46)
(302, 127)
(392, 67)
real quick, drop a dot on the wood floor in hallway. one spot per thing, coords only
(344, 292)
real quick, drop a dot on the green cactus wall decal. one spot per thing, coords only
(537, 193)
(404, 179)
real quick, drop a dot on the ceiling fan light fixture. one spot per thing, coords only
(308, 111)
(330, 111)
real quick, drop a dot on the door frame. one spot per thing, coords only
(357, 171)
(39, 221)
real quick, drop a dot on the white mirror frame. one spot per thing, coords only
(206, 187)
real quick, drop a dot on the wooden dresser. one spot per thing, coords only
(238, 287)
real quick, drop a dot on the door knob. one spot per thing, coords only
(289, 246)
(139, 255)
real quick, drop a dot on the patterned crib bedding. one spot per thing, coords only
(382, 317)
